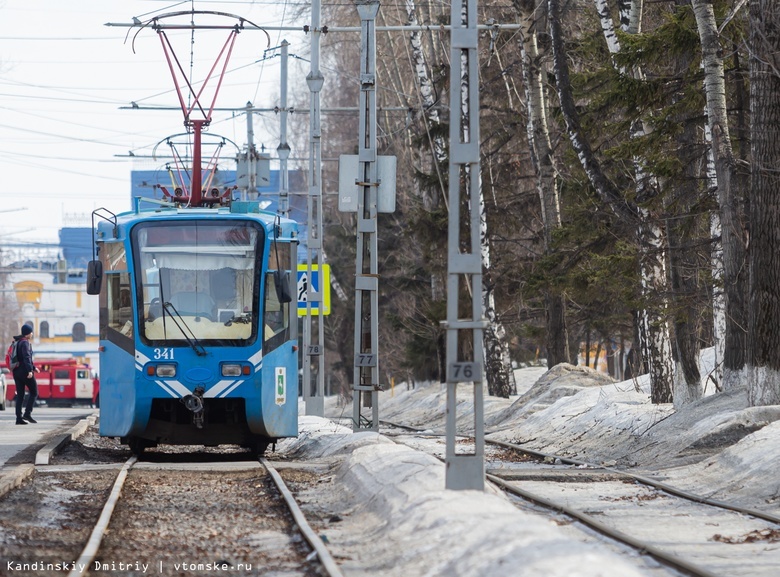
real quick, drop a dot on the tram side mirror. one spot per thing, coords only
(282, 282)
(94, 277)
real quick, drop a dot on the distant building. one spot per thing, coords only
(51, 296)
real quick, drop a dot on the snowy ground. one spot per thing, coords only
(718, 447)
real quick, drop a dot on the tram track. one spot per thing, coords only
(625, 506)
(161, 517)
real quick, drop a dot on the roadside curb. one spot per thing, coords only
(43, 456)
(14, 477)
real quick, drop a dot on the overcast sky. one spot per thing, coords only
(64, 76)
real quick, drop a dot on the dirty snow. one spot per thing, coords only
(716, 447)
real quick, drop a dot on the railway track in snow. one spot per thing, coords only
(689, 533)
(211, 515)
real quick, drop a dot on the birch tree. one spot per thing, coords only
(730, 196)
(497, 361)
(426, 93)
(656, 344)
(655, 339)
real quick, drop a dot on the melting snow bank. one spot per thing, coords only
(745, 473)
(401, 521)
(715, 446)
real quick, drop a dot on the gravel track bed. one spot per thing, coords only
(92, 448)
(49, 519)
(167, 522)
(204, 523)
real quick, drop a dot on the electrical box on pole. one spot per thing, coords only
(350, 185)
(262, 170)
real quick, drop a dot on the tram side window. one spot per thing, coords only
(116, 313)
(120, 311)
(276, 317)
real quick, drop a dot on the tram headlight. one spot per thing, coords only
(165, 370)
(231, 370)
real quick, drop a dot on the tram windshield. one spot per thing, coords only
(197, 280)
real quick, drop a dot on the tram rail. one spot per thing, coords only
(249, 494)
(503, 479)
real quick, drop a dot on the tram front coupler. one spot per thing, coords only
(194, 404)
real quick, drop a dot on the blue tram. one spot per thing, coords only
(198, 337)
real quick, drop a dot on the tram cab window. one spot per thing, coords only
(116, 311)
(276, 316)
(198, 277)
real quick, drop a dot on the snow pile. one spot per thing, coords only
(397, 502)
(395, 496)
(561, 381)
(428, 402)
(747, 472)
(598, 424)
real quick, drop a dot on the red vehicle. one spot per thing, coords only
(62, 382)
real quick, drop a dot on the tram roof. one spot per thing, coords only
(238, 209)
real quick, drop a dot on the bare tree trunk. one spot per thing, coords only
(557, 340)
(498, 364)
(763, 361)
(681, 229)
(587, 347)
(716, 257)
(655, 343)
(730, 195)
(631, 15)
(656, 340)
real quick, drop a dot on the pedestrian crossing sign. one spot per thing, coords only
(313, 294)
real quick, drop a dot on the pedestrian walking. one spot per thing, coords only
(24, 376)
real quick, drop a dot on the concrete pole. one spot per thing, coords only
(313, 349)
(365, 384)
(283, 150)
(464, 470)
(251, 155)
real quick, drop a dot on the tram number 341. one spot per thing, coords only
(464, 372)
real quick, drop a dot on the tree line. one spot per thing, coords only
(629, 185)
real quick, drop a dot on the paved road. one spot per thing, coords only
(18, 444)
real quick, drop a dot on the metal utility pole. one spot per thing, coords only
(283, 150)
(251, 155)
(313, 345)
(464, 470)
(366, 371)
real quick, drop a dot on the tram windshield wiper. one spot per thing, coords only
(191, 339)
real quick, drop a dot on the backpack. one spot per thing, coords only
(11, 359)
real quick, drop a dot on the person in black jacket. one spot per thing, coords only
(24, 376)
